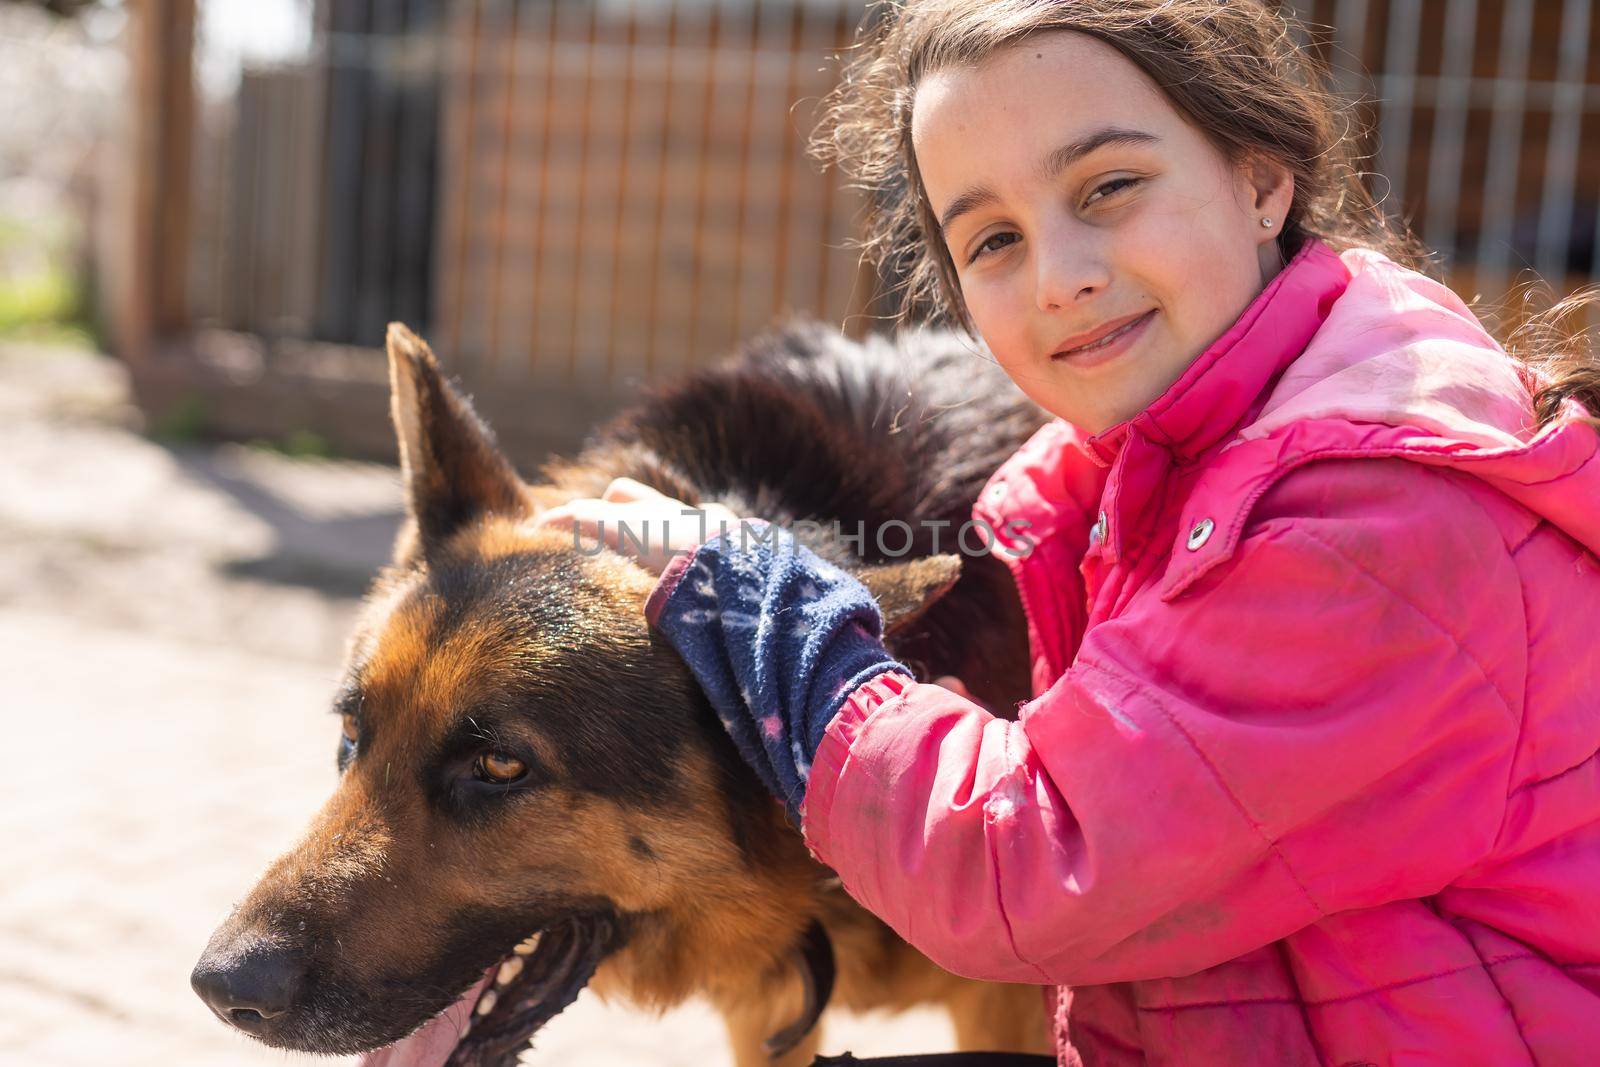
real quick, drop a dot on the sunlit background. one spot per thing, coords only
(574, 198)
(208, 211)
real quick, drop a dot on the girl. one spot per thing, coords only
(1310, 775)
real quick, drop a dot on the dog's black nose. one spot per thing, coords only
(250, 988)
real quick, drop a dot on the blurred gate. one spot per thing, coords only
(1480, 111)
(553, 188)
(576, 197)
(626, 188)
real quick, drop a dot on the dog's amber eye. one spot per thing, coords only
(348, 727)
(500, 768)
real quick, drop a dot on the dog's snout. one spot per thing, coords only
(250, 989)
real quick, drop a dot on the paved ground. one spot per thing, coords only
(170, 621)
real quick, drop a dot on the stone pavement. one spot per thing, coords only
(170, 623)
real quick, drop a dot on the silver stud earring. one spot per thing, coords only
(1266, 224)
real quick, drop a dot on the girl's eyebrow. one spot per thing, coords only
(1053, 164)
(1068, 154)
(970, 200)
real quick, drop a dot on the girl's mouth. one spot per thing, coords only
(1108, 347)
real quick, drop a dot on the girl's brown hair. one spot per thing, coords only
(1230, 67)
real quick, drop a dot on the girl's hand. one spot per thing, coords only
(657, 526)
(955, 685)
(778, 640)
(958, 687)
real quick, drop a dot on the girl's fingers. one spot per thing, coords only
(584, 522)
(954, 684)
(647, 516)
(581, 509)
(626, 489)
(561, 515)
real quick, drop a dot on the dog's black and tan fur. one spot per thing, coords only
(635, 829)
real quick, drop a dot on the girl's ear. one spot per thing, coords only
(1269, 185)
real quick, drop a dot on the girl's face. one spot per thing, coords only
(1076, 201)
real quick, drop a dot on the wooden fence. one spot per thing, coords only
(626, 189)
(577, 197)
(1479, 111)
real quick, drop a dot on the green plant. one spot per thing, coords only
(187, 420)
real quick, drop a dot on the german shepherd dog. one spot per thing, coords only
(535, 796)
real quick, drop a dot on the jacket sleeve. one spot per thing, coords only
(1324, 723)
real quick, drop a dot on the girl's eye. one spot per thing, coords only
(1115, 185)
(499, 768)
(994, 243)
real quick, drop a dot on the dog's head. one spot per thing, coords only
(531, 789)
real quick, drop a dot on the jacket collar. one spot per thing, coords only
(1062, 474)
(1401, 368)
(1221, 387)
(1385, 363)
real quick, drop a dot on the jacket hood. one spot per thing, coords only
(1342, 356)
(1402, 367)
(1400, 349)
(1399, 367)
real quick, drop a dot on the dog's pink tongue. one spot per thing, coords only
(431, 1045)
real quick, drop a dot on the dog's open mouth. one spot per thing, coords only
(496, 1019)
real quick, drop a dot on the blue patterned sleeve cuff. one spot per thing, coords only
(778, 638)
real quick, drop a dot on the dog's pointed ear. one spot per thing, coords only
(905, 590)
(449, 464)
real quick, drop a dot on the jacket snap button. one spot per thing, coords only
(1097, 532)
(1200, 533)
(997, 491)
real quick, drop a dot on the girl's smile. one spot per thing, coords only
(1101, 241)
(1104, 345)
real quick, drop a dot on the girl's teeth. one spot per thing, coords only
(1108, 338)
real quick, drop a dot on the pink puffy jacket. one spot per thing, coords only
(1310, 772)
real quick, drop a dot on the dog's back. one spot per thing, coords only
(884, 444)
(533, 793)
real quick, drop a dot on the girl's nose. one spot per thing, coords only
(1067, 269)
